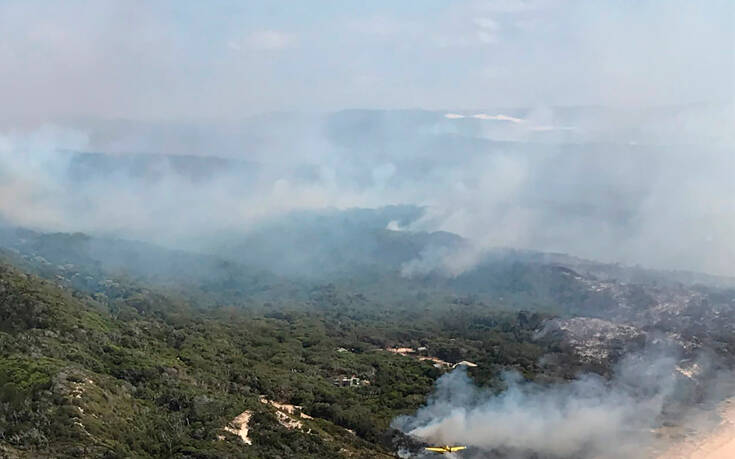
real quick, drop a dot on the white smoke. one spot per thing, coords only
(662, 206)
(588, 417)
(448, 261)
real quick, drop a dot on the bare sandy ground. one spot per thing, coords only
(717, 444)
(285, 413)
(239, 427)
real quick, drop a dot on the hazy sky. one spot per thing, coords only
(649, 186)
(227, 59)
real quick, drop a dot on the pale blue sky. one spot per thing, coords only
(228, 59)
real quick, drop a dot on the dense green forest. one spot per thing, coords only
(138, 372)
(113, 348)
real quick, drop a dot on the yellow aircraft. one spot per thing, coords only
(445, 449)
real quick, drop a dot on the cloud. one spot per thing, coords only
(270, 40)
(513, 6)
(173, 60)
(234, 45)
(487, 30)
(498, 117)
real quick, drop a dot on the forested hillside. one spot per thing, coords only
(133, 372)
(114, 348)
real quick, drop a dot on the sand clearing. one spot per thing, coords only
(286, 412)
(239, 426)
(718, 444)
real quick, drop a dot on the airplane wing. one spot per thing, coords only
(456, 448)
(436, 449)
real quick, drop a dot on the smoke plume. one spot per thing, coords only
(588, 417)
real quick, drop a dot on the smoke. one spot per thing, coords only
(172, 200)
(620, 183)
(587, 417)
(660, 205)
(448, 261)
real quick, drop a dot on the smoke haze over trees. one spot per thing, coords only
(359, 228)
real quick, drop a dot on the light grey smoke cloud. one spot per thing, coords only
(588, 417)
(636, 200)
(448, 261)
(623, 183)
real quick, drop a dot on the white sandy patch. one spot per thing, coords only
(239, 426)
(286, 412)
(401, 350)
(690, 372)
(287, 421)
(437, 361)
